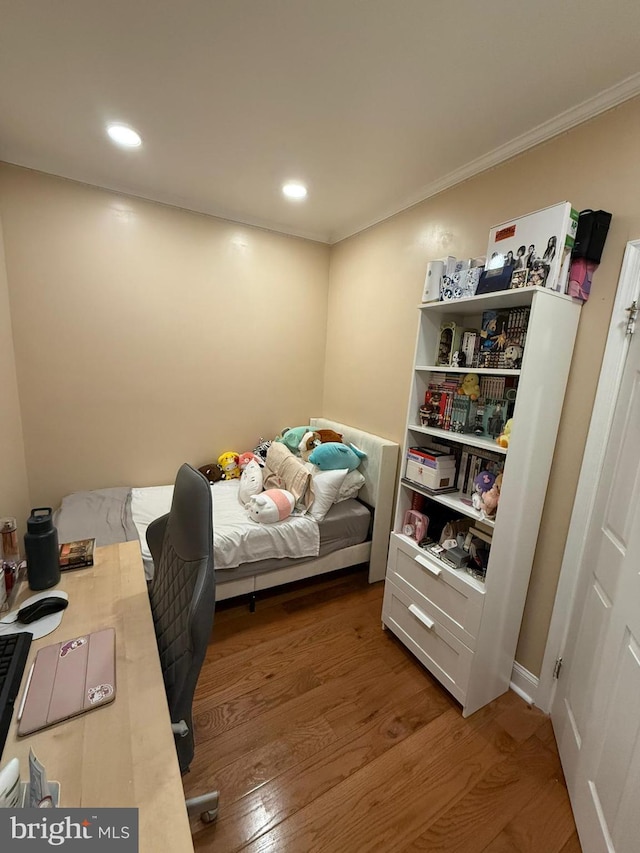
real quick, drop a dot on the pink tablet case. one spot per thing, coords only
(70, 678)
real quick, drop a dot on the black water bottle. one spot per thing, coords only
(41, 548)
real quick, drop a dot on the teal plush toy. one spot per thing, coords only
(291, 438)
(332, 455)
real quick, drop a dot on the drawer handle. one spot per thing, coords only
(427, 565)
(420, 616)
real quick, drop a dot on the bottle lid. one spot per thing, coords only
(40, 520)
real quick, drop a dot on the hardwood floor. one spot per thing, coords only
(323, 733)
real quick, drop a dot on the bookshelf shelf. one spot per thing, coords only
(462, 630)
(459, 437)
(454, 500)
(504, 298)
(481, 371)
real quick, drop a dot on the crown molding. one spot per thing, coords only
(600, 103)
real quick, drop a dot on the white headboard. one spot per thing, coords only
(379, 470)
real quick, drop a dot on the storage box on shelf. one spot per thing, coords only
(464, 630)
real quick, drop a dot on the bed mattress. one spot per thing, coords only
(347, 523)
(106, 514)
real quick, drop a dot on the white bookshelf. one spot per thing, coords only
(465, 631)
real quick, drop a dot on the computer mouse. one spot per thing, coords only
(41, 608)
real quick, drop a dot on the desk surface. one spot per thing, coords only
(124, 753)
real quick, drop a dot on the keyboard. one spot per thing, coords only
(14, 649)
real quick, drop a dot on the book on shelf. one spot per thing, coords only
(77, 554)
(474, 460)
(503, 337)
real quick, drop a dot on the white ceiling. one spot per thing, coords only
(374, 104)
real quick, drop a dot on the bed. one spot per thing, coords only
(354, 531)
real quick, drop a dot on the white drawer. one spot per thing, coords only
(444, 655)
(453, 597)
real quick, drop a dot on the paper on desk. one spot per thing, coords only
(39, 795)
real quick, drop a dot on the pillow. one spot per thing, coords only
(283, 470)
(250, 482)
(291, 438)
(332, 455)
(326, 486)
(352, 484)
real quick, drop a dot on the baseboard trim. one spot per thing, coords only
(524, 683)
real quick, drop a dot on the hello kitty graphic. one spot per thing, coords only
(71, 645)
(99, 693)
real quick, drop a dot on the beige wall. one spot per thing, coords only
(14, 496)
(376, 282)
(146, 335)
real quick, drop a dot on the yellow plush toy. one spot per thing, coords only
(470, 386)
(229, 463)
(505, 435)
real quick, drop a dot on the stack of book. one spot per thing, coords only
(437, 410)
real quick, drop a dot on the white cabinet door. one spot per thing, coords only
(596, 710)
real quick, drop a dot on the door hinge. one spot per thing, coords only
(632, 311)
(557, 668)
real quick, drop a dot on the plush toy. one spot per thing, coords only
(212, 471)
(312, 439)
(291, 438)
(505, 436)
(261, 448)
(489, 499)
(332, 455)
(229, 463)
(271, 506)
(470, 386)
(250, 482)
(327, 435)
(245, 458)
(482, 482)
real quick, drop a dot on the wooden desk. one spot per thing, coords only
(123, 754)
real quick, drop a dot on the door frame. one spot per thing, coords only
(606, 395)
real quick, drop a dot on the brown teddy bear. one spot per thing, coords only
(311, 440)
(212, 471)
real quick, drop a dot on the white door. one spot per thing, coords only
(596, 708)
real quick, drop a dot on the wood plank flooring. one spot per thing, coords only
(323, 733)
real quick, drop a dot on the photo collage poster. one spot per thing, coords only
(535, 247)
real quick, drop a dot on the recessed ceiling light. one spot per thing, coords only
(294, 190)
(124, 136)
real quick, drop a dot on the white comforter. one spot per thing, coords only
(236, 539)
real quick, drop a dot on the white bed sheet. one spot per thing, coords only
(236, 539)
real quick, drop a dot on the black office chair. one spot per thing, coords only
(182, 595)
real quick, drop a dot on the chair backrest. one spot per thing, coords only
(182, 594)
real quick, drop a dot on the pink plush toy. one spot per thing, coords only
(245, 458)
(489, 499)
(271, 506)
